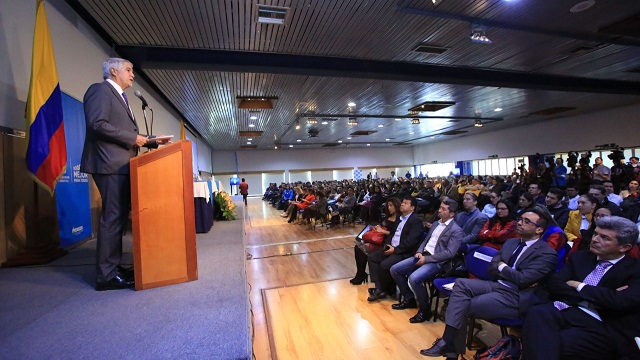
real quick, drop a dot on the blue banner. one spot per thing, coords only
(72, 191)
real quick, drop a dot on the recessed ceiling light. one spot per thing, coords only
(432, 137)
(387, 139)
(340, 141)
(275, 147)
(497, 109)
(398, 119)
(582, 6)
(298, 140)
(290, 145)
(349, 138)
(248, 142)
(249, 139)
(368, 144)
(325, 123)
(251, 125)
(253, 117)
(351, 104)
(411, 133)
(380, 125)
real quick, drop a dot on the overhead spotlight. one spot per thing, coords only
(276, 147)
(352, 122)
(351, 104)
(312, 121)
(297, 124)
(497, 109)
(478, 34)
(415, 121)
(478, 123)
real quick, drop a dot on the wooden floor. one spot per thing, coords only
(303, 306)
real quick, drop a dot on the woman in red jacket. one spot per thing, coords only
(499, 228)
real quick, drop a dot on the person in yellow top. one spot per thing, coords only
(580, 220)
(475, 187)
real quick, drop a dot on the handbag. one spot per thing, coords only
(455, 267)
(374, 237)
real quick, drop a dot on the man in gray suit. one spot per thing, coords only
(519, 267)
(471, 220)
(441, 244)
(111, 140)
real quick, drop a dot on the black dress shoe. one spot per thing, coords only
(405, 304)
(371, 290)
(420, 317)
(439, 348)
(117, 283)
(377, 295)
(126, 273)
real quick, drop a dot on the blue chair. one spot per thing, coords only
(477, 261)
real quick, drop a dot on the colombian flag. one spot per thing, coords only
(47, 151)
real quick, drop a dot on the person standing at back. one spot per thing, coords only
(244, 190)
(112, 139)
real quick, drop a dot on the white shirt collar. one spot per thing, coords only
(115, 86)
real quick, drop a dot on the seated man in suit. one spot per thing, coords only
(519, 267)
(596, 312)
(401, 245)
(471, 220)
(441, 244)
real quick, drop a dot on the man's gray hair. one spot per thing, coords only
(626, 230)
(112, 63)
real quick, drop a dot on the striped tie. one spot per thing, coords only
(592, 279)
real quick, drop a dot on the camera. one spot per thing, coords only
(616, 155)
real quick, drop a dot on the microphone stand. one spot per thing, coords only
(146, 125)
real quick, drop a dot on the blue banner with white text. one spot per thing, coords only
(72, 192)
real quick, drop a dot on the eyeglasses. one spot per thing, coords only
(527, 221)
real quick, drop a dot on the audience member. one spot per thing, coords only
(535, 191)
(440, 244)
(608, 187)
(572, 197)
(490, 208)
(580, 220)
(520, 266)
(600, 172)
(525, 202)
(595, 314)
(388, 227)
(499, 228)
(471, 220)
(600, 193)
(558, 210)
(402, 244)
(559, 174)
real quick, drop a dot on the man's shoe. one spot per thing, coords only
(371, 290)
(420, 317)
(439, 348)
(117, 283)
(127, 273)
(377, 295)
(405, 304)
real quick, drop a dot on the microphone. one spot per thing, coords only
(144, 102)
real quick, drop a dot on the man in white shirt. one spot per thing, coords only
(572, 197)
(614, 198)
(440, 244)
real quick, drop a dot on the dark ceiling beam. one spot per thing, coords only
(385, 116)
(169, 58)
(592, 37)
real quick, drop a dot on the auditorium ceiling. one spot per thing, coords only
(214, 60)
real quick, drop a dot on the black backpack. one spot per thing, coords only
(508, 347)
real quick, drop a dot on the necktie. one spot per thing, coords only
(592, 279)
(512, 259)
(126, 101)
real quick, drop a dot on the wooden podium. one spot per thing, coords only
(164, 234)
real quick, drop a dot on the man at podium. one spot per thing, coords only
(112, 139)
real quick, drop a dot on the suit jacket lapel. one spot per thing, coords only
(529, 250)
(616, 272)
(124, 105)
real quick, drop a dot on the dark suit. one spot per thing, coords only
(406, 272)
(471, 224)
(574, 334)
(109, 144)
(492, 299)
(379, 264)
